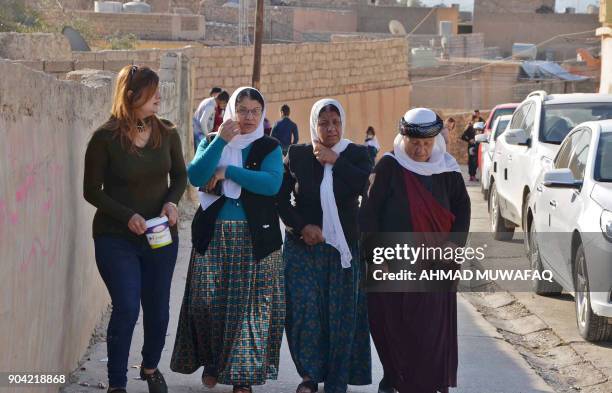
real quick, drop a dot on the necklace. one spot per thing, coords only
(140, 126)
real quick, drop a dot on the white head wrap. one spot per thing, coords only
(232, 152)
(439, 162)
(332, 228)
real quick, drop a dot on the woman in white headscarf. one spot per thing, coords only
(326, 312)
(233, 310)
(418, 190)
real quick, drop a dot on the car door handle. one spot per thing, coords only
(553, 203)
(539, 188)
(509, 157)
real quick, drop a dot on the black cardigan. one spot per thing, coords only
(303, 176)
(387, 209)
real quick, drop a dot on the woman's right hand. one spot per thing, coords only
(312, 235)
(137, 224)
(228, 130)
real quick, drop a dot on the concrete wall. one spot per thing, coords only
(51, 296)
(299, 71)
(34, 46)
(488, 85)
(147, 26)
(503, 29)
(606, 59)
(375, 19)
(511, 6)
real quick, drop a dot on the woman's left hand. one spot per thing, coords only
(324, 155)
(219, 175)
(170, 210)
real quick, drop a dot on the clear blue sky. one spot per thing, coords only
(468, 5)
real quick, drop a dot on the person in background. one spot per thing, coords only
(469, 136)
(449, 127)
(372, 144)
(233, 311)
(326, 325)
(134, 171)
(267, 127)
(209, 116)
(476, 118)
(285, 130)
(215, 91)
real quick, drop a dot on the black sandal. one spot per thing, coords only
(242, 389)
(312, 386)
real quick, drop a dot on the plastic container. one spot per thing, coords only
(158, 232)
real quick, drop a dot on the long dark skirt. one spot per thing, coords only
(327, 325)
(233, 310)
(416, 338)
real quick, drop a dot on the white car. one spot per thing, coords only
(488, 142)
(535, 132)
(571, 226)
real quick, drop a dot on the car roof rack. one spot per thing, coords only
(540, 93)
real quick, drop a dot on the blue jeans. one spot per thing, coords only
(135, 274)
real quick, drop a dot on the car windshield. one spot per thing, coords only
(559, 119)
(603, 162)
(501, 127)
(501, 112)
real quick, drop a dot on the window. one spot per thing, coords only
(563, 157)
(519, 115)
(501, 127)
(559, 119)
(529, 120)
(578, 158)
(603, 162)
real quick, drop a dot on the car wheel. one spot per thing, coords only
(592, 327)
(485, 192)
(499, 228)
(540, 287)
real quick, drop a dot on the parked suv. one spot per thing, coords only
(537, 128)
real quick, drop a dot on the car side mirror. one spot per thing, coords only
(561, 178)
(517, 137)
(482, 138)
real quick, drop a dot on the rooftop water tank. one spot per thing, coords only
(423, 57)
(524, 51)
(108, 6)
(137, 6)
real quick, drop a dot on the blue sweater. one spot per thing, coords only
(266, 181)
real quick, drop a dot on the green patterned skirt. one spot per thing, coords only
(233, 310)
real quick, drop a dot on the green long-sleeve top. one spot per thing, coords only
(119, 183)
(266, 181)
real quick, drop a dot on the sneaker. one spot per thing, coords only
(156, 381)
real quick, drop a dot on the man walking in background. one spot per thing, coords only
(285, 130)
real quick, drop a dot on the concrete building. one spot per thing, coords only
(605, 32)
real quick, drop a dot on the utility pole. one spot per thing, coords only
(605, 32)
(259, 30)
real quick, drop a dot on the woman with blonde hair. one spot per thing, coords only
(134, 171)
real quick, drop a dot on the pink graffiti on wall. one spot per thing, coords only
(40, 183)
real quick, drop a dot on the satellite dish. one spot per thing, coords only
(77, 43)
(396, 28)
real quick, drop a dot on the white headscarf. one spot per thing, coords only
(439, 162)
(332, 228)
(232, 152)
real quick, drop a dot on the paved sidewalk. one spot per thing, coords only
(487, 364)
